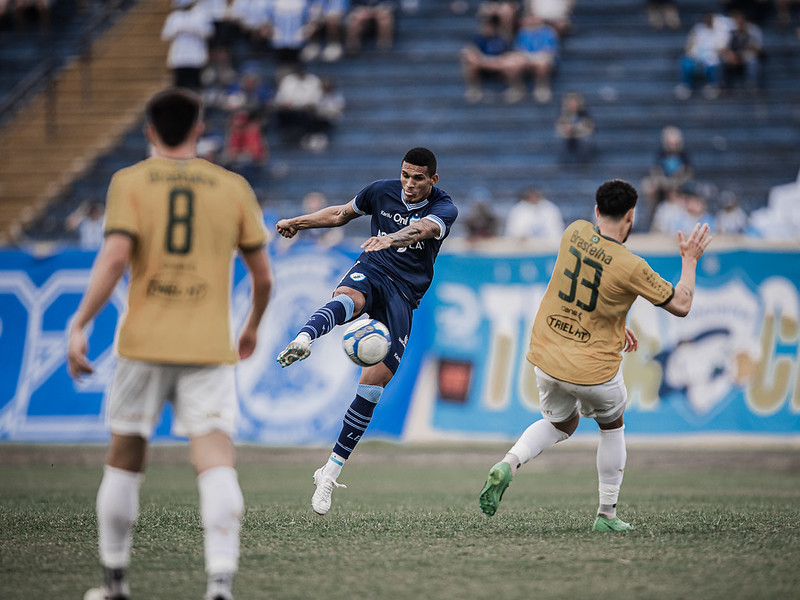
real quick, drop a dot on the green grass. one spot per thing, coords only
(709, 524)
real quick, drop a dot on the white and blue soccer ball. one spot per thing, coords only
(366, 342)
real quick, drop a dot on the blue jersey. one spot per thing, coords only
(411, 267)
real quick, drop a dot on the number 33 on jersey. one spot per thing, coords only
(579, 331)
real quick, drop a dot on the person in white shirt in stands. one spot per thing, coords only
(534, 217)
(188, 29)
(296, 101)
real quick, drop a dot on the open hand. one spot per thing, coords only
(696, 244)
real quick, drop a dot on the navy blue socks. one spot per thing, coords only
(357, 418)
(339, 310)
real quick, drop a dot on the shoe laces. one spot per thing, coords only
(329, 483)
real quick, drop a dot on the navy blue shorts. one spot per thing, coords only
(386, 303)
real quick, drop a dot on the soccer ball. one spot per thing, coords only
(366, 342)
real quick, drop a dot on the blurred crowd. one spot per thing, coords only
(253, 62)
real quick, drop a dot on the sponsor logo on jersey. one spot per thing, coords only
(400, 219)
(588, 246)
(193, 289)
(569, 328)
(357, 276)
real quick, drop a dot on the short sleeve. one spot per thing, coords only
(444, 213)
(253, 234)
(120, 214)
(650, 285)
(362, 203)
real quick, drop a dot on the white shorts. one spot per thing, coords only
(560, 401)
(203, 398)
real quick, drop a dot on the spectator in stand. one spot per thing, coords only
(217, 77)
(556, 13)
(88, 220)
(287, 29)
(671, 169)
(697, 208)
(507, 11)
(224, 16)
(536, 48)
(534, 217)
(575, 127)
(251, 91)
(253, 19)
(481, 222)
(684, 208)
(702, 58)
(329, 111)
(670, 215)
(246, 151)
(327, 21)
(490, 52)
(296, 103)
(364, 12)
(663, 13)
(731, 219)
(187, 29)
(743, 53)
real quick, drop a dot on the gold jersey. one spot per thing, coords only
(187, 219)
(579, 330)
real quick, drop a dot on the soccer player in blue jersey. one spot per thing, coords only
(410, 220)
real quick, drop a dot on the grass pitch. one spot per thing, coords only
(710, 523)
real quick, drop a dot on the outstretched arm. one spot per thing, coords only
(418, 230)
(330, 216)
(691, 251)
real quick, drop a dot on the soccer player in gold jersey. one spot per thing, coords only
(578, 335)
(176, 221)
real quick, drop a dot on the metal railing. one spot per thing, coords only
(44, 77)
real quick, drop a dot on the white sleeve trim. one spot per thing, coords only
(355, 208)
(440, 223)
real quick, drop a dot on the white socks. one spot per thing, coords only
(334, 466)
(611, 458)
(117, 510)
(221, 506)
(534, 440)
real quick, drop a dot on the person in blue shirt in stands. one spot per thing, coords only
(489, 52)
(410, 218)
(536, 48)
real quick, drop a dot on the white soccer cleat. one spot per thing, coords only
(101, 593)
(298, 349)
(321, 500)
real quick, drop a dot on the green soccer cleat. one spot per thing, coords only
(496, 484)
(605, 524)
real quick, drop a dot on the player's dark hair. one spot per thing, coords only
(615, 198)
(173, 112)
(422, 157)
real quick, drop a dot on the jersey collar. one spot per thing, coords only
(605, 237)
(411, 206)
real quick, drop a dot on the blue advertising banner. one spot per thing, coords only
(730, 366)
(300, 405)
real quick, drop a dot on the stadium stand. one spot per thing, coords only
(95, 95)
(414, 95)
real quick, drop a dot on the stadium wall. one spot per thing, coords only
(731, 367)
